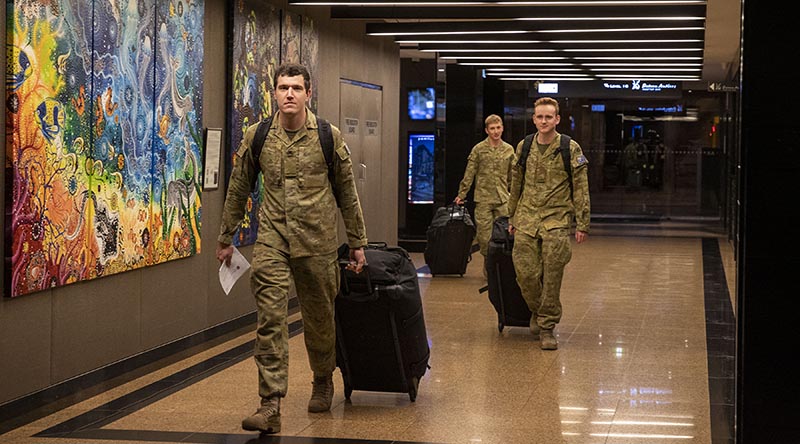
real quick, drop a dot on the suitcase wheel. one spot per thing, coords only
(500, 326)
(412, 391)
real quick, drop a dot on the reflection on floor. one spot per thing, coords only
(645, 356)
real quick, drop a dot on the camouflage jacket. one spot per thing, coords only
(541, 197)
(490, 168)
(298, 211)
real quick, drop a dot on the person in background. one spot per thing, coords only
(542, 206)
(489, 167)
(297, 241)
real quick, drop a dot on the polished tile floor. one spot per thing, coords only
(645, 357)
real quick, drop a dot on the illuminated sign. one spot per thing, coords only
(638, 85)
(548, 88)
(674, 109)
(598, 107)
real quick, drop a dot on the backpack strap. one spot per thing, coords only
(526, 149)
(258, 144)
(326, 141)
(566, 157)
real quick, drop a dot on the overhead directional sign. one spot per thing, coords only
(722, 87)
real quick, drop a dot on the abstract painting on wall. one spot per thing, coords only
(103, 138)
(262, 37)
(255, 55)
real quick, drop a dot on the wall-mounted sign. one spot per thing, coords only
(639, 85)
(667, 109)
(372, 127)
(547, 88)
(611, 89)
(350, 126)
(721, 87)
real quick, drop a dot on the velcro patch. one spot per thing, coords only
(343, 152)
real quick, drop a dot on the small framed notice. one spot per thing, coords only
(213, 142)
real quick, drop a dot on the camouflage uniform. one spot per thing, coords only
(490, 168)
(541, 210)
(297, 238)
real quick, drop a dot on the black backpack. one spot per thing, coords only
(325, 139)
(563, 148)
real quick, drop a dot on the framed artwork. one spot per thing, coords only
(309, 56)
(291, 35)
(212, 145)
(103, 138)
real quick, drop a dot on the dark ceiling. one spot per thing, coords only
(658, 40)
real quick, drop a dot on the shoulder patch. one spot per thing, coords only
(343, 152)
(581, 160)
(243, 147)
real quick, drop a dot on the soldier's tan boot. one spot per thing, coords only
(267, 419)
(535, 330)
(321, 394)
(549, 341)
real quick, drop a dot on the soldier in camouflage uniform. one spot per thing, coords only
(541, 208)
(489, 166)
(297, 240)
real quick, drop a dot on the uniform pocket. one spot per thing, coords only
(558, 249)
(272, 164)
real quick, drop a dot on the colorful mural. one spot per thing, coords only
(103, 137)
(255, 55)
(262, 36)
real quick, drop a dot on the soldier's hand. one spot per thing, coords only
(224, 253)
(458, 200)
(511, 229)
(357, 260)
(581, 236)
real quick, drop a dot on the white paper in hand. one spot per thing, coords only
(229, 274)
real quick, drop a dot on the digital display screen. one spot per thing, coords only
(422, 104)
(420, 167)
(598, 107)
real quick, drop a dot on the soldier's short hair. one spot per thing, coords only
(492, 118)
(546, 101)
(291, 70)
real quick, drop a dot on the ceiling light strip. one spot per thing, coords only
(562, 42)
(526, 31)
(395, 4)
(627, 65)
(450, 53)
(567, 58)
(495, 12)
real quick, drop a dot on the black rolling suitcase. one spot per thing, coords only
(381, 340)
(504, 293)
(450, 236)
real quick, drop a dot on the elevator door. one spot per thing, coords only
(361, 125)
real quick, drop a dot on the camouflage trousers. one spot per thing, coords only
(485, 214)
(316, 280)
(539, 262)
